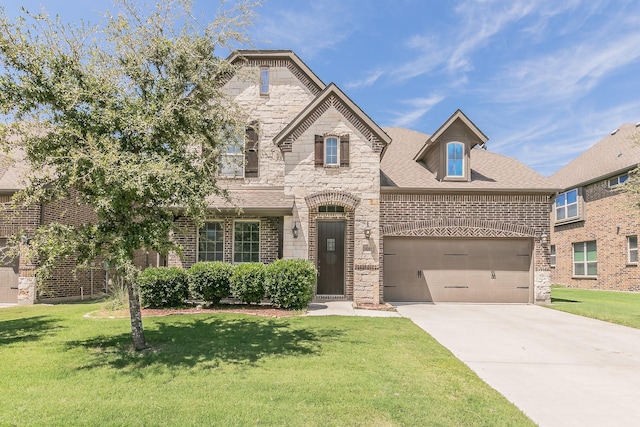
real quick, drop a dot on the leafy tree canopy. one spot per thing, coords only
(127, 118)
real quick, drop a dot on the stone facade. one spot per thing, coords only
(607, 219)
(473, 215)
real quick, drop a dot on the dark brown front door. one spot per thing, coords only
(330, 258)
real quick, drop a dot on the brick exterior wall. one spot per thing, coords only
(471, 215)
(187, 238)
(608, 219)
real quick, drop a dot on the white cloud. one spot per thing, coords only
(306, 28)
(420, 107)
(367, 81)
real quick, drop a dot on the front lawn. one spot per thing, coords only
(60, 368)
(616, 307)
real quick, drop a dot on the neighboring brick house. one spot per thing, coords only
(384, 215)
(594, 230)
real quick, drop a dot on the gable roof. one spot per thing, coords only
(457, 115)
(286, 58)
(333, 96)
(614, 154)
(489, 171)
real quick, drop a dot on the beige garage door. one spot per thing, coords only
(8, 276)
(457, 270)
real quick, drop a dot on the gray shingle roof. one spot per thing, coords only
(12, 171)
(489, 171)
(265, 200)
(612, 155)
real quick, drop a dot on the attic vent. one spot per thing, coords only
(615, 131)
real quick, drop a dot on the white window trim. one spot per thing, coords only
(629, 250)
(566, 206)
(324, 151)
(463, 174)
(617, 178)
(198, 239)
(585, 262)
(233, 234)
(553, 255)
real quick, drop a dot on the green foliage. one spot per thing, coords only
(162, 287)
(121, 119)
(247, 282)
(610, 306)
(289, 283)
(292, 371)
(210, 281)
(118, 296)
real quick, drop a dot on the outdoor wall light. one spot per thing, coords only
(367, 231)
(544, 239)
(294, 230)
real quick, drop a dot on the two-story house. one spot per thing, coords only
(594, 230)
(385, 214)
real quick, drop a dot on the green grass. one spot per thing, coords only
(60, 368)
(622, 308)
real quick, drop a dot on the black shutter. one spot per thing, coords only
(319, 150)
(344, 150)
(251, 153)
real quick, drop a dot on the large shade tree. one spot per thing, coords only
(127, 117)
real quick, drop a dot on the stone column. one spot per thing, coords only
(26, 278)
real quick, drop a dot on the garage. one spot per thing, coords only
(8, 276)
(457, 270)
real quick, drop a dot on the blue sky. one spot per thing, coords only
(543, 79)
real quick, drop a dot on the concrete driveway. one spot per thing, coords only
(558, 368)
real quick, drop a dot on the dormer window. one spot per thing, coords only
(455, 159)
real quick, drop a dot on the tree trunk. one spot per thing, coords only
(137, 332)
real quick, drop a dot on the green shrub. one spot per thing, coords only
(162, 287)
(210, 281)
(289, 283)
(247, 282)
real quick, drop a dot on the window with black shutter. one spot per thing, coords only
(319, 150)
(327, 150)
(344, 150)
(251, 153)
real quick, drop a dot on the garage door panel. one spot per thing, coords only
(8, 275)
(457, 270)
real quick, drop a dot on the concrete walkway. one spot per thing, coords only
(7, 304)
(345, 308)
(558, 368)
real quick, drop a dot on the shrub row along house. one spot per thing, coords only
(384, 214)
(594, 229)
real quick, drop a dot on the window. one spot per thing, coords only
(332, 150)
(585, 259)
(246, 241)
(330, 208)
(617, 180)
(241, 156)
(455, 159)
(211, 242)
(232, 161)
(632, 245)
(264, 81)
(552, 256)
(567, 205)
